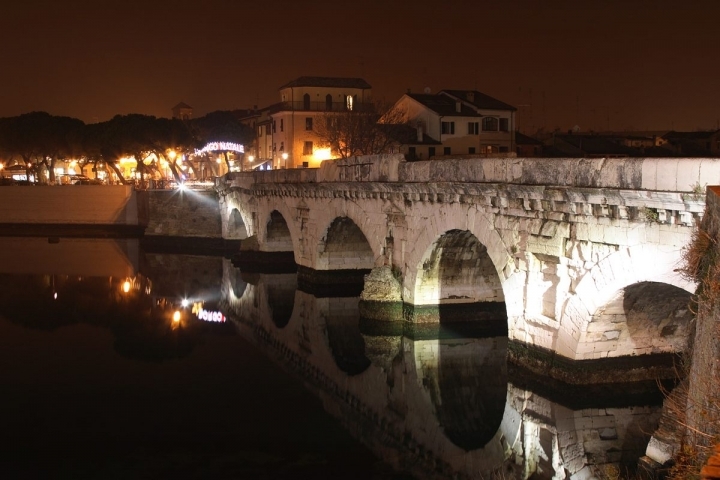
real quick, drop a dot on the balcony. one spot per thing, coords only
(323, 106)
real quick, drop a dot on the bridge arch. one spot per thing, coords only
(345, 247)
(640, 319)
(236, 219)
(456, 268)
(277, 234)
(452, 220)
(236, 226)
(624, 275)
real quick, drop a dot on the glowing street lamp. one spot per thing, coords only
(285, 157)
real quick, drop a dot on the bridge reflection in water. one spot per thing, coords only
(436, 403)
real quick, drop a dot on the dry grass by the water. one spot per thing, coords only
(701, 264)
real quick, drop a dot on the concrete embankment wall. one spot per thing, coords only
(71, 205)
(115, 210)
(176, 213)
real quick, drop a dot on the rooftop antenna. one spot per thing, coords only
(526, 122)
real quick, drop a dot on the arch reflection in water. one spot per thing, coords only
(341, 316)
(467, 382)
(262, 295)
(441, 406)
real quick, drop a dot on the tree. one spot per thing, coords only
(123, 136)
(40, 139)
(360, 131)
(140, 136)
(59, 138)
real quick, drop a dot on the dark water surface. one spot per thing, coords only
(73, 407)
(99, 381)
(96, 382)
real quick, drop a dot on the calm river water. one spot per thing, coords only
(120, 363)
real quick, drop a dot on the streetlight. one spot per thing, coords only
(285, 157)
(251, 159)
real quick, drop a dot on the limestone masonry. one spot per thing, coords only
(569, 245)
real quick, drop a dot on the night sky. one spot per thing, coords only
(642, 65)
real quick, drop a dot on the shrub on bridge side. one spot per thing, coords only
(697, 410)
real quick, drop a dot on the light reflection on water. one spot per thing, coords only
(151, 388)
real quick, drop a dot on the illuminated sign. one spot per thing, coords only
(221, 146)
(207, 315)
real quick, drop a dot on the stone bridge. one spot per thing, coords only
(582, 252)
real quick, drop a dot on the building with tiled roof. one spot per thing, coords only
(478, 100)
(328, 82)
(527, 146)
(183, 111)
(703, 143)
(460, 121)
(287, 131)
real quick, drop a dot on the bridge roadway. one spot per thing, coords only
(582, 252)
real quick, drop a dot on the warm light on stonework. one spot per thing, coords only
(322, 154)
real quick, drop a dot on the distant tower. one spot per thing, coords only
(182, 111)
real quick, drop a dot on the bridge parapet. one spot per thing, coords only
(661, 174)
(688, 175)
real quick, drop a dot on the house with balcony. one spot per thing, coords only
(287, 131)
(461, 122)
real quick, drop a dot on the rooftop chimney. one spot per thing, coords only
(419, 132)
(458, 107)
(470, 96)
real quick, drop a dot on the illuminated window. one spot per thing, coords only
(490, 124)
(308, 123)
(349, 102)
(308, 148)
(448, 127)
(489, 149)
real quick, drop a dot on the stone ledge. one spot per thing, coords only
(545, 362)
